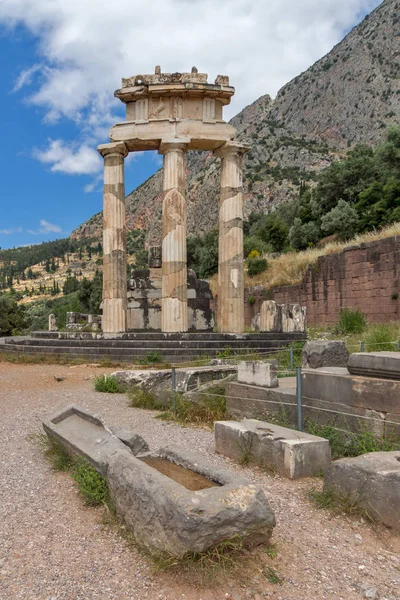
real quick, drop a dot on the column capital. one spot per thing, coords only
(113, 148)
(231, 148)
(169, 145)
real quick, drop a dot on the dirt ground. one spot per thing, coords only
(53, 547)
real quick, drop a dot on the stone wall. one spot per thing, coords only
(364, 277)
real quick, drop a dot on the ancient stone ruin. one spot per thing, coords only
(172, 500)
(173, 113)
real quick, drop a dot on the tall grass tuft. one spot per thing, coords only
(108, 384)
(381, 337)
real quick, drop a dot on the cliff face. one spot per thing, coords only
(349, 96)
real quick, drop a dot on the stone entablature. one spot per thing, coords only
(173, 113)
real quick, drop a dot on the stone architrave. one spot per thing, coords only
(114, 239)
(230, 262)
(174, 313)
(270, 316)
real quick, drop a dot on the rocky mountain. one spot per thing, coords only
(349, 96)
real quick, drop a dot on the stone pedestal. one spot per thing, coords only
(114, 239)
(230, 263)
(174, 314)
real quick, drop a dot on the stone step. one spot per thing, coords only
(158, 335)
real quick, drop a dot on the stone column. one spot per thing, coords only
(114, 239)
(174, 314)
(230, 318)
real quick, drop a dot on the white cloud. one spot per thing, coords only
(73, 159)
(87, 46)
(11, 231)
(25, 78)
(45, 227)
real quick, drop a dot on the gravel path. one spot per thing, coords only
(52, 547)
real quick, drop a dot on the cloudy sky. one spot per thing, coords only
(63, 59)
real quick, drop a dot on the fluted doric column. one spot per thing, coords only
(114, 239)
(230, 317)
(174, 314)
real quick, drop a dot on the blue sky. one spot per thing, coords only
(62, 60)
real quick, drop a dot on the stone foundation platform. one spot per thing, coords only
(136, 346)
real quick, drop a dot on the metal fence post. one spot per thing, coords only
(362, 346)
(299, 396)
(173, 389)
(291, 357)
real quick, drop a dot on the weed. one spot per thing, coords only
(272, 575)
(108, 384)
(245, 444)
(251, 300)
(226, 353)
(281, 418)
(381, 337)
(338, 503)
(271, 551)
(153, 357)
(141, 398)
(350, 321)
(212, 407)
(92, 485)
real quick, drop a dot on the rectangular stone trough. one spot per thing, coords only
(171, 500)
(289, 453)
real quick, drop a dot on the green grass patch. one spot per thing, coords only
(91, 484)
(53, 451)
(350, 321)
(337, 503)
(141, 398)
(211, 408)
(380, 338)
(108, 384)
(346, 444)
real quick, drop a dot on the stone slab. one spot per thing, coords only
(290, 453)
(372, 481)
(251, 401)
(166, 516)
(257, 372)
(336, 385)
(83, 433)
(324, 353)
(385, 365)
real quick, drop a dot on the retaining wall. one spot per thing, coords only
(364, 277)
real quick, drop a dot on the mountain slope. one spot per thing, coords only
(349, 96)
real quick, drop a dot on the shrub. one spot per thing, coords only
(211, 407)
(153, 357)
(253, 243)
(380, 338)
(256, 266)
(92, 485)
(251, 300)
(108, 384)
(350, 321)
(342, 220)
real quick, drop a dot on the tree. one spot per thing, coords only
(12, 316)
(302, 235)
(342, 220)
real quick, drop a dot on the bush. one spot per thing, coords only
(92, 485)
(252, 242)
(380, 338)
(12, 316)
(108, 384)
(350, 321)
(256, 266)
(342, 220)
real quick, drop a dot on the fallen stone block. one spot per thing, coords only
(385, 365)
(81, 433)
(257, 372)
(324, 353)
(289, 453)
(175, 502)
(370, 481)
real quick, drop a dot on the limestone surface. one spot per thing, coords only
(166, 516)
(385, 365)
(325, 353)
(258, 372)
(290, 453)
(371, 481)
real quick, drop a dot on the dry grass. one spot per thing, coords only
(290, 268)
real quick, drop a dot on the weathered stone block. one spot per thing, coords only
(151, 497)
(385, 365)
(371, 481)
(257, 372)
(325, 353)
(290, 453)
(270, 316)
